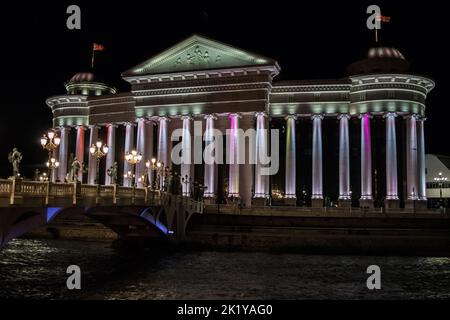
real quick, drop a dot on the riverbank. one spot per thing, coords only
(331, 233)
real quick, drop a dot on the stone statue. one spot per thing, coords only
(112, 172)
(75, 168)
(14, 158)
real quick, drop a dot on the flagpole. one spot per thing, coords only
(92, 59)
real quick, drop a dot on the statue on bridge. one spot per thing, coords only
(15, 157)
(75, 168)
(112, 172)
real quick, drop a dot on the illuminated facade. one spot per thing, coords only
(355, 141)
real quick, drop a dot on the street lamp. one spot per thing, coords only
(133, 158)
(153, 166)
(50, 142)
(440, 179)
(98, 151)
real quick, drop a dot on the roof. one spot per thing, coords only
(198, 53)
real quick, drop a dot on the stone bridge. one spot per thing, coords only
(129, 211)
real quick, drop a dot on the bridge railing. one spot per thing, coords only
(37, 193)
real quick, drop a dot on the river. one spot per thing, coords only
(37, 269)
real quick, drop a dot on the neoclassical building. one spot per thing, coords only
(354, 141)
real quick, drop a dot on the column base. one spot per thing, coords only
(317, 203)
(410, 204)
(391, 203)
(422, 204)
(290, 201)
(345, 203)
(366, 203)
(209, 200)
(259, 202)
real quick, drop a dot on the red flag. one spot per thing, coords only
(383, 18)
(97, 47)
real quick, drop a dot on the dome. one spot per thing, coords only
(384, 52)
(82, 77)
(85, 83)
(380, 60)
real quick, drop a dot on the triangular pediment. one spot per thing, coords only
(197, 53)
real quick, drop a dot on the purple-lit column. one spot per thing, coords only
(148, 150)
(421, 159)
(163, 148)
(210, 178)
(344, 161)
(366, 162)
(80, 149)
(233, 181)
(92, 169)
(290, 179)
(187, 166)
(391, 161)
(317, 187)
(129, 142)
(63, 150)
(411, 158)
(111, 143)
(261, 155)
(140, 146)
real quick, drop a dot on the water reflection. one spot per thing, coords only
(37, 269)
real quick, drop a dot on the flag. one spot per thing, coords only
(97, 47)
(383, 18)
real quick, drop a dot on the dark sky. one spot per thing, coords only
(310, 40)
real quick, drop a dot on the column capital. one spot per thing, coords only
(162, 118)
(235, 115)
(390, 115)
(130, 124)
(421, 118)
(113, 125)
(82, 127)
(187, 117)
(261, 113)
(343, 116)
(93, 126)
(60, 128)
(363, 115)
(291, 116)
(411, 116)
(317, 116)
(210, 116)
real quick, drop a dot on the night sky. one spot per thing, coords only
(309, 40)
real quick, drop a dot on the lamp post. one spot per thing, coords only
(440, 179)
(50, 142)
(152, 167)
(98, 151)
(133, 157)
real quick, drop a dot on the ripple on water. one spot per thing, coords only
(37, 269)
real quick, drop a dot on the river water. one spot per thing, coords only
(37, 269)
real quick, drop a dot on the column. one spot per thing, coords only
(111, 143)
(411, 158)
(92, 169)
(140, 147)
(148, 155)
(247, 167)
(79, 154)
(210, 177)
(344, 162)
(261, 156)
(129, 143)
(291, 158)
(317, 188)
(63, 150)
(233, 179)
(366, 162)
(391, 162)
(187, 167)
(163, 144)
(422, 187)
